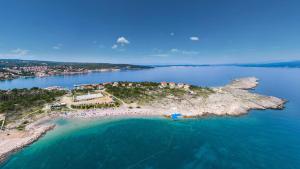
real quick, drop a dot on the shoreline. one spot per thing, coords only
(234, 99)
(28, 141)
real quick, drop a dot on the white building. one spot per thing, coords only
(88, 97)
(115, 84)
(180, 85)
(172, 85)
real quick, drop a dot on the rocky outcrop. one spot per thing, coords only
(232, 99)
(13, 140)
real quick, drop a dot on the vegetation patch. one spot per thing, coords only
(145, 92)
(17, 103)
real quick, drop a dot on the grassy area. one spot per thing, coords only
(135, 92)
(18, 103)
(202, 91)
(144, 92)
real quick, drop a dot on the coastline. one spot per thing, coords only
(17, 144)
(233, 99)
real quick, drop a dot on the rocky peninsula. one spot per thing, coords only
(140, 99)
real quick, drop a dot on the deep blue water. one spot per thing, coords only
(261, 139)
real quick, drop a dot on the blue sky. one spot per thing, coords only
(151, 31)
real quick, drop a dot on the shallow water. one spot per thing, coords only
(261, 139)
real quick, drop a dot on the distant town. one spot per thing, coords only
(14, 68)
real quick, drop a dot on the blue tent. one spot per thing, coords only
(175, 116)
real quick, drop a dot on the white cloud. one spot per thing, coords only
(174, 50)
(122, 41)
(159, 55)
(57, 47)
(20, 52)
(189, 52)
(157, 50)
(15, 53)
(194, 38)
(184, 52)
(114, 46)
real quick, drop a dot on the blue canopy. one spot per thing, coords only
(175, 116)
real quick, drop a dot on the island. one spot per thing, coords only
(27, 114)
(15, 68)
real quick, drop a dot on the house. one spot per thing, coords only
(115, 84)
(106, 83)
(186, 87)
(180, 85)
(172, 85)
(41, 74)
(163, 84)
(100, 86)
(88, 87)
(84, 86)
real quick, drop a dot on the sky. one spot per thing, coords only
(151, 31)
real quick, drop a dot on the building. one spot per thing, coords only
(163, 84)
(55, 88)
(57, 106)
(180, 85)
(84, 86)
(172, 85)
(115, 84)
(186, 87)
(88, 97)
(100, 86)
(40, 74)
(2, 120)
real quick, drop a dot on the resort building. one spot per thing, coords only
(88, 97)
(55, 88)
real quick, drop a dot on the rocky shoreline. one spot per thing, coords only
(233, 99)
(16, 144)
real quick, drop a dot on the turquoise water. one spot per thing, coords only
(261, 139)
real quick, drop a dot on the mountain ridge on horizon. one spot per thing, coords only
(290, 64)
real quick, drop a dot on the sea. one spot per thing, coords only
(262, 139)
